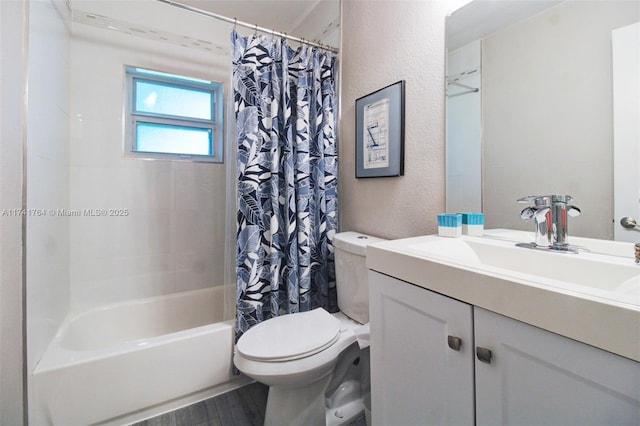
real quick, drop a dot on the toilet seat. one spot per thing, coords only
(290, 337)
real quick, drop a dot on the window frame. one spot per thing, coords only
(132, 116)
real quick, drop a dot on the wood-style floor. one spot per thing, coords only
(241, 407)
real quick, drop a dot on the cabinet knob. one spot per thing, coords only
(454, 343)
(483, 354)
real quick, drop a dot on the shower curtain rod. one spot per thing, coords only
(461, 93)
(234, 21)
(455, 83)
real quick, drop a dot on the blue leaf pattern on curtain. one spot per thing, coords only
(285, 103)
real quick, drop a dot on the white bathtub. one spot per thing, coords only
(114, 364)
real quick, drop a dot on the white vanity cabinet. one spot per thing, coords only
(526, 376)
(538, 377)
(416, 378)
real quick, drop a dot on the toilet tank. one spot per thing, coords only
(352, 278)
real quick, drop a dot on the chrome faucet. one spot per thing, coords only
(550, 214)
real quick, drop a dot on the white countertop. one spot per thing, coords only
(592, 317)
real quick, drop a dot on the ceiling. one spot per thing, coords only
(315, 20)
(479, 18)
(280, 15)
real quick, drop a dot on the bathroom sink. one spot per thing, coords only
(593, 245)
(592, 296)
(587, 273)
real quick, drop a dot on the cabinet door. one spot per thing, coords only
(536, 377)
(416, 378)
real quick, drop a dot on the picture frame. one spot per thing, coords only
(380, 132)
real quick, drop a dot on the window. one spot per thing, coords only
(174, 117)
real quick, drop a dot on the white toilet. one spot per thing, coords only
(313, 362)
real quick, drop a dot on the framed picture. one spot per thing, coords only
(380, 132)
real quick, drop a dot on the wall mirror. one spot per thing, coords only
(530, 109)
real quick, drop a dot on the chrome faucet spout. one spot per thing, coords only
(550, 214)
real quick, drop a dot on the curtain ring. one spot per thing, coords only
(235, 23)
(255, 32)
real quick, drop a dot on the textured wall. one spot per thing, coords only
(384, 42)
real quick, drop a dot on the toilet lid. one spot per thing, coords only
(290, 337)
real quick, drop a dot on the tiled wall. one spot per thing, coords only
(173, 236)
(47, 175)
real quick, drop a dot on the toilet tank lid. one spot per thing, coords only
(354, 242)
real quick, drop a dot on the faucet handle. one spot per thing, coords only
(545, 200)
(528, 213)
(537, 200)
(561, 198)
(573, 211)
(527, 199)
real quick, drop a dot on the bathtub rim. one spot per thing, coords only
(57, 357)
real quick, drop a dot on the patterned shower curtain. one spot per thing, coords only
(285, 111)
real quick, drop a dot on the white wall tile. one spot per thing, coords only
(176, 208)
(48, 183)
(47, 176)
(98, 292)
(92, 188)
(144, 232)
(148, 186)
(85, 142)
